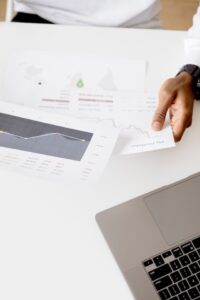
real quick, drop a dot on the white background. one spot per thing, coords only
(50, 244)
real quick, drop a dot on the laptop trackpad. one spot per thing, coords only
(176, 210)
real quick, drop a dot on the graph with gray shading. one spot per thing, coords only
(42, 138)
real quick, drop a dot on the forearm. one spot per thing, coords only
(192, 42)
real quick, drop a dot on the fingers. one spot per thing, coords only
(176, 95)
(179, 128)
(180, 122)
(166, 98)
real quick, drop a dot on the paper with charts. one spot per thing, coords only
(51, 145)
(100, 89)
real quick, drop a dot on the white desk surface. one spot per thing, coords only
(50, 244)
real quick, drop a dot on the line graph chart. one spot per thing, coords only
(42, 138)
(47, 145)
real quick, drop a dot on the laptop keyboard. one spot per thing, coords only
(175, 273)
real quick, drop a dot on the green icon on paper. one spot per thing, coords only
(80, 83)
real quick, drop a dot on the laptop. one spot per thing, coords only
(155, 239)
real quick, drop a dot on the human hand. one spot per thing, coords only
(176, 95)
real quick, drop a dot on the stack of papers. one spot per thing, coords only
(63, 116)
(54, 146)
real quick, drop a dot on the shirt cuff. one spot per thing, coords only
(192, 52)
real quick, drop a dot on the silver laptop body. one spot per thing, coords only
(155, 240)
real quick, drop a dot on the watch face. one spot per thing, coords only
(190, 69)
(197, 95)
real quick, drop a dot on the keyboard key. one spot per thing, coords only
(167, 254)
(184, 260)
(188, 247)
(177, 252)
(184, 296)
(194, 268)
(183, 285)
(164, 294)
(194, 293)
(174, 290)
(162, 283)
(159, 272)
(198, 276)
(158, 260)
(196, 242)
(176, 276)
(193, 256)
(192, 281)
(185, 272)
(148, 262)
(174, 298)
(175, 264)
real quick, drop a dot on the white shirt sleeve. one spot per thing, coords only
(192, 42)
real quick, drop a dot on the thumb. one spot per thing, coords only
(165, 101)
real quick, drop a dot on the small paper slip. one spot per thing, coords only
(134, 120)
(53, 146)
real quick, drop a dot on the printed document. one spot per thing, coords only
(51, 145)
(103, 90)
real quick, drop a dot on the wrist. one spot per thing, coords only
(185, 77)
(194, 72)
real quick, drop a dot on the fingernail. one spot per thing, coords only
(157, 126)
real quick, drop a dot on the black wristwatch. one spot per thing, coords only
(194, 71)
